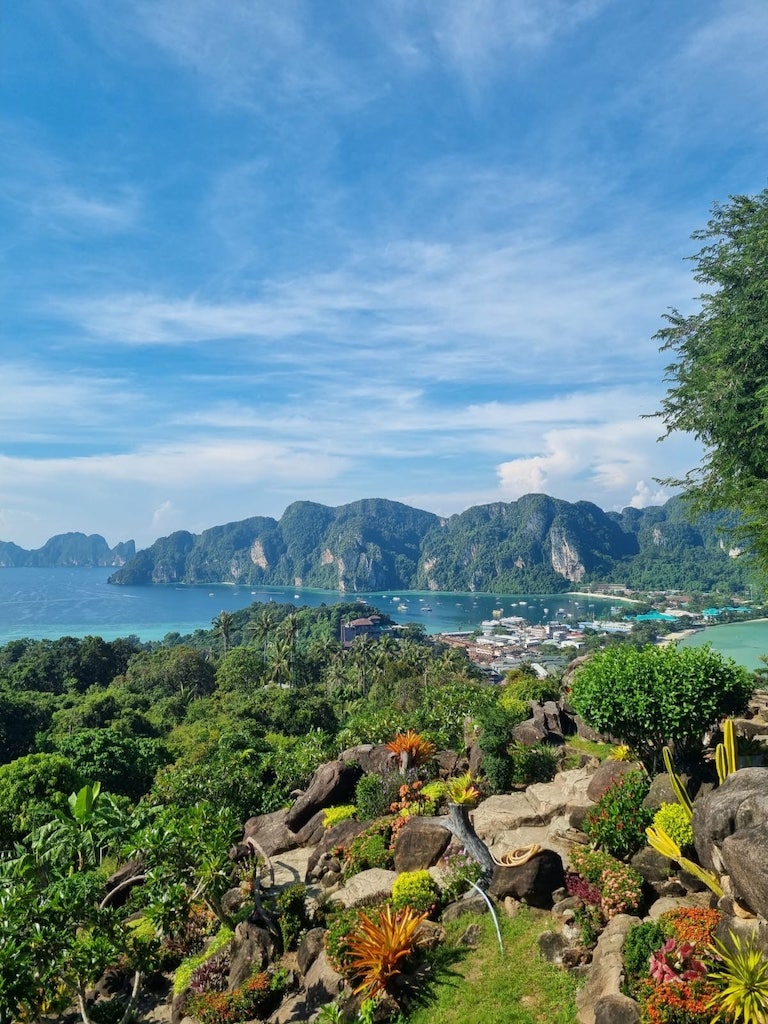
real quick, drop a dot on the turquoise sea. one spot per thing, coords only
(48, 603)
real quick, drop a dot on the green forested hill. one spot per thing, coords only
(74, 549)
(537, 544)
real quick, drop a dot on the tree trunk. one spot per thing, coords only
(459, 825)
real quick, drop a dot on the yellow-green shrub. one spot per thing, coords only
(674, 820)
(415, 889)
(333, 815)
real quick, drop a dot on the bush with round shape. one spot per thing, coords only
(370, 798)
(417, 890)
(674, 820)
(537, 763)
(658, 696)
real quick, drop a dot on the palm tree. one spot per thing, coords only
(223, 624)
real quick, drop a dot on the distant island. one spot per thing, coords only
(537, 544)
(67, 549)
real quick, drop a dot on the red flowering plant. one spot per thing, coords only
(678, 989)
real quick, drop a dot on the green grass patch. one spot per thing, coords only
(576, 745)
(480, 984)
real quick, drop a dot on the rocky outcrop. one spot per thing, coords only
(604, 980)
(740, 803)
(333, 783)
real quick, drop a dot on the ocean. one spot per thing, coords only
(48, 603)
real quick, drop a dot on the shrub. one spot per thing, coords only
(532, 688)
(379, 946)
(333, 815)
(533, 764)
(642, 940)
(659, 696)
(691, 924)
(107, 1011)
(340, 927)
(499, 772)
(516, 708)
(212, 975)
(292, 911)
(369, 850)
(370, 798)
(675, 821)
(675, 1003)
(417, 890)
(618, 822)
(256, 997)
(742, 970)
(619, 885)
(459, 871)
(435, 792)
(184, 971)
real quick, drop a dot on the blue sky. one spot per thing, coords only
(256, 252)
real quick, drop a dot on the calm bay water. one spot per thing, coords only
(48, 603)
(745, 642)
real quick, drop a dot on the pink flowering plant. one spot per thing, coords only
(676, 962)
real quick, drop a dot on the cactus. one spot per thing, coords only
(667, 847)
(726, 759)
(678, 786)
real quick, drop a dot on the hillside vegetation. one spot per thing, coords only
(535, 545)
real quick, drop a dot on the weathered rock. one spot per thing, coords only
(420, 844)
(373, 758)
(743, 854)
(122, 881)
(503, 813)
(291, 1011)
(340, 835)
(616, 1009)
(450, 763)
(607, 971)
(741, 802)
(470, 903)
(661, 791)
(364, 885)
(311, 833)
(553, 946)
(529, 733)
(252, 949)
(270, 832)
(533, 882)
(605, 776)
(652, 865)
(321, 982)
(333, 783)
(309, 949)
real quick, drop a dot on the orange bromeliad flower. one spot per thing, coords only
(377, 947)
(414, 744)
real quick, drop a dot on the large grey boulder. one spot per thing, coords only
(270, 832)
(420, 843)
(333, 783)
(373, 758)
(740, 803)
(606, 775)
(364, 885)
(744, 857)
(533, 882)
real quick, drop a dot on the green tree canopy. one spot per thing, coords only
(654, 696)
(718, 381)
